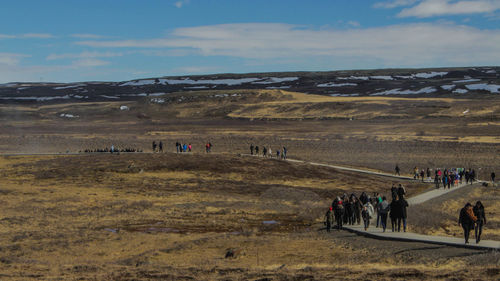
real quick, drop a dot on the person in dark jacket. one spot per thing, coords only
(401, 191)
(466, 220)
(356, 208)
(493, 178)
(257, 150)
(397, 170)
(393, 212)
(401, 214)
(394, 191)
(436, 181)
(363, 198)
(481, 220)
(160, 146)
(383, 210)
(329, 219)
(251, 149)
(349, 210)
(338, 210)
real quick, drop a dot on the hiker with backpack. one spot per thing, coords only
(383, 210)
(467, 220)
(338, 209)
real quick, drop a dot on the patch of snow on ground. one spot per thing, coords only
(110, 97)
(139, 83)
(381, 77)
(344, 95)
(280, 87)
(36, 98)
(124, 107)
(197, 87)
(23, 88)
(491, 71)
(229, 82)
(332, 84)
(67, 115)
(448, 87)
(273, 80)
(467, 81)
(430, 74)
(426, 90)
(460, 91)
(156, 94)
(69, 87)
(157, 100)
(353, 78)
(484, 87)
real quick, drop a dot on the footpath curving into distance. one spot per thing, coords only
(377, 233)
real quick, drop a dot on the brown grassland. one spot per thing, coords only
(144, 216)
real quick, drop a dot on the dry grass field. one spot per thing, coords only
(144, 216)
(173, 217)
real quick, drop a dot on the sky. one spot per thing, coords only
(104, 40)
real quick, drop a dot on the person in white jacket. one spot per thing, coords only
(367, 213)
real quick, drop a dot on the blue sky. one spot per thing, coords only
(64, 41)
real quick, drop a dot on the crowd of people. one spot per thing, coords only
(281, 153)
(112, 149)
(447, 177)
(351, 210)
(183, 147)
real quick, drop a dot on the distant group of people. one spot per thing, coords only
(267, 152)
(448, 177)
(157, 147)
(472, 217)
(351, 210)
(112, 149)
(183, 147)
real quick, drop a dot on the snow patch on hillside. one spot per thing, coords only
(272, 80)
(332, 84)
(354, 78)
(398, 91)
(448, 87)
(484, 87)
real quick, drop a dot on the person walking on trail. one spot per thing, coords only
(270, 152)
(437, 181)
(177, 146)
(378, 200)
(393, 212)
(356, 208)
(493, 178)
(397, 170)
(383, 210)
(278, 154)
(401, 213)
(349, 211)
(251, 149)
(428, 173)
(422, 175)
(160, 147)
(481, 220)
(472, 176)
(363, 198)
(284, 152)
(154, 146)
(257, 150)
(401, 191)
(445, 181)
(190, 147)
(367, 213)
(415, 173)
(338, 209)
(264, 151)
(329, 219)
(394, 191)
(184, 147)
(467, 220)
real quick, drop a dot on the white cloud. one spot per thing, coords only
(84, 55)
(422, 44)
(181, 3)
(394, 4)
(87, 36)
(11, 59)
(432, 8)
(89, 62)
(27, 36)
(353, 23)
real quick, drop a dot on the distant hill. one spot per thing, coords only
(435, 82)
